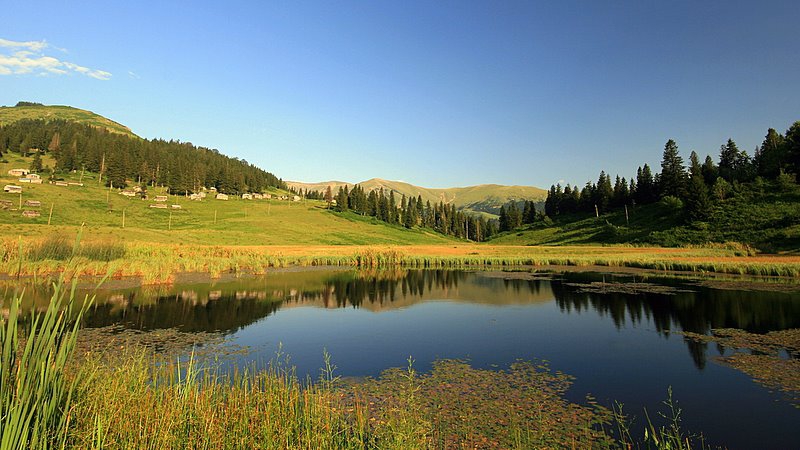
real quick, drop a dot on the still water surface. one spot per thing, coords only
(618, 346)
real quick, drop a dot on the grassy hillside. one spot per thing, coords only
(484, 198)
(765, 216)
(238, 222)
(9, 114)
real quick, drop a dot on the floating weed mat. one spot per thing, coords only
(602, 287)
(167, 342)
(779, 285)
(758, 355)
(519, 275)
(458, 406)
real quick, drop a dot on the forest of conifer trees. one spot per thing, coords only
(694, 187)
(180, 166)
(411, 212)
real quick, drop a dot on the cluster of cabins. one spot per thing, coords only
(24, 176)
(160, 201)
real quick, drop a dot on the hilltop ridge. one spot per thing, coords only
(482, 198)
(35, 111)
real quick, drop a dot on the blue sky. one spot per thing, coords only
(436, 93)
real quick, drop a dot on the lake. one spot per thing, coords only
(619, 341)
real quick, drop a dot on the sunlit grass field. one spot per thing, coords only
(236, 235)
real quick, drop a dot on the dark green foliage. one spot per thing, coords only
(710, 171)
(698, 203)
(603, 193)
(792, 149)
(412, 213)
(645, 186)
(734, 165)
(36, 163)
(771, 156)
(28, 104)
(673, 175)
(181, 166)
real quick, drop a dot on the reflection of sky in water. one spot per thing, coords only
(617, 346)
(629, 362)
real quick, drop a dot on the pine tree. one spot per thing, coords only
(36, 163)
(673, 174)
(734, 165)
(645, 186)
(698, 204)
(792, 149)
(504, 226)
(695, 169)
(603, 193)
(710, 171)
(770, 156)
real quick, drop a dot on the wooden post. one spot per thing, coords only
(102, 169)
(123, 218)
(215, 217)
(269, 206)
(51, 213)
(20, 199)
(596, 211)
(169, 226)
(626, 215)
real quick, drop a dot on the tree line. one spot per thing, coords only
(181, 166)
(695, 187)
(410, 212)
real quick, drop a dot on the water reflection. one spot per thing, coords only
(229, 305)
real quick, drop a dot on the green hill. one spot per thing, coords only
(11, 114)
(764, 215)
(484, 198)
(101, 212)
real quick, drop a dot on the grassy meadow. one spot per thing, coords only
(238, 235)
(55, 112)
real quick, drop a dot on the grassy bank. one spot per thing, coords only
(157, 263)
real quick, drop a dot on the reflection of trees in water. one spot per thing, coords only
(384, 288)
(229, 307)
(698, 312)
(227, 312)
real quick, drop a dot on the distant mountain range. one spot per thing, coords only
(483, 198)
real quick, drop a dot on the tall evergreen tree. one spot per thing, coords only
(645, 185)
(792, 149)
(734, 165)
(673, 174)
(710, 171)
(36, 162)
(770, 156)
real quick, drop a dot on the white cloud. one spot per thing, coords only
(35, 46)
(23, 58)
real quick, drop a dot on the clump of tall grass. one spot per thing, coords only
(55, 247)
(59, 248)
(103, 251)
(35, 396)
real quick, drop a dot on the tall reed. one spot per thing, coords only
(35, 396)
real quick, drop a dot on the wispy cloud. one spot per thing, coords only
(28, 57)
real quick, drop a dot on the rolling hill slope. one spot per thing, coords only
(484, 198)
(10, 114)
